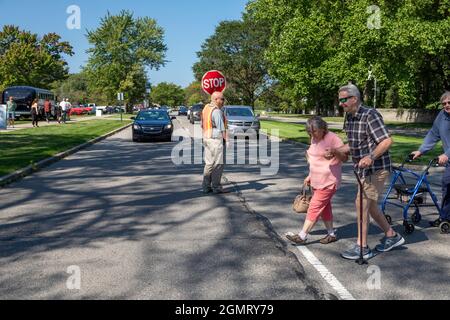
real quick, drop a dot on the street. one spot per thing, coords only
(138, 227)
(135, 226)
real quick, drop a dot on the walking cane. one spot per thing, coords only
(361, 261)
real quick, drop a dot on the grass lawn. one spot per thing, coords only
(20, 148)
(402, 146)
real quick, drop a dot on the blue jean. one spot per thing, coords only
(446, 194)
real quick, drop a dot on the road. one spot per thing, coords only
(138, 227)
(120, 221)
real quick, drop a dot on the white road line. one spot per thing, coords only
(327, 275)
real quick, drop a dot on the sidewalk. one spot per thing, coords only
(44, 123)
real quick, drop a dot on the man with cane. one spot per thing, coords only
(368, 144)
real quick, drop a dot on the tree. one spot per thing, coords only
(27, 59)
(317, 46)
(123, 50)
(75, 87)
(194, 94)
(168, 94)
(237, 49)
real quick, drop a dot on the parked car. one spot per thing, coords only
(78, 110)
(182, 111)
(196, 113)
(242, 121)
(152, 124)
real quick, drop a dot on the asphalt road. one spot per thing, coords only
(120, 220)
(420, 269)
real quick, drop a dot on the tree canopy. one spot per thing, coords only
(27, 59)
(237, 49)
(317, 46)
(123, 49)
(168, 94)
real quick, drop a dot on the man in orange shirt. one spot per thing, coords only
(214, 135)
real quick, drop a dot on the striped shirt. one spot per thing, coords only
(365, 130)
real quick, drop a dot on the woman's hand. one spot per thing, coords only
(330, 153)
(307, 181)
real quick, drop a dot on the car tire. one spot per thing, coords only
(135, 139)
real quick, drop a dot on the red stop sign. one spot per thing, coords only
(213, 81)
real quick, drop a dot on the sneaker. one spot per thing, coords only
(328, 239)
(354, 253)
(295, 238)
(389, 243)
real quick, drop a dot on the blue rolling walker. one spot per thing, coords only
(411, 194)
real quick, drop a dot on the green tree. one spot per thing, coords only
(75, 87)
(237, 49)
(168, 94)
(27, 59)
(123, 50)
(317, 46)
(194, 94)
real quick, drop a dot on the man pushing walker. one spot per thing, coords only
(368, 144)
(440, 132)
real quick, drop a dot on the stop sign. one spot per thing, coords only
(213, 81)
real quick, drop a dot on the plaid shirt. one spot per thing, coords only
(365, 130)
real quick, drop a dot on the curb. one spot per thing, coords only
(22, 173)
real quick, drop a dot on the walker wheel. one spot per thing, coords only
(445, 227)
(409, 228)
(388, 218)
(416, 217)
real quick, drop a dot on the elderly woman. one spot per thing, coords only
(325, 171)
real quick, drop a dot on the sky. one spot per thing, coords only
(187, 24)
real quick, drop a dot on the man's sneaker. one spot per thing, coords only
(389, 243)
(354, 253)
(295, 238)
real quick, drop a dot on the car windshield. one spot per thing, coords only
(152, 115)
(239, 112)
(197, 108)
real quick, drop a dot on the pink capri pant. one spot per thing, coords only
(320, 205)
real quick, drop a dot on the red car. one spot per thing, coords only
(80, 110)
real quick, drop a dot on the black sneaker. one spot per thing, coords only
(389, 243)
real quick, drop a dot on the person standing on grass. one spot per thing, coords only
(368, 144)
(11, 111)
(47, 110)
(63, 107)
(440, 132)
(325, 173)
(35, 113)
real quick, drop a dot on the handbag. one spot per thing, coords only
(302, 201)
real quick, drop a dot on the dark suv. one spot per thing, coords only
(196, 113)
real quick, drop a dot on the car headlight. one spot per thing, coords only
(136, 127)
(169, 126)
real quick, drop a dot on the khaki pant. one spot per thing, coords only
(214, 164)
(374, 185)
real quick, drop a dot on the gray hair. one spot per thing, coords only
(445, 95)
(316, 122)
(352, 90)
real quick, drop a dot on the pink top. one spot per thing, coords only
(324, 173)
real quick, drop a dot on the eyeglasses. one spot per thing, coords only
(344, 100)
(446, 103)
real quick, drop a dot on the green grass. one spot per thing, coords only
(402, 146)
(20, 148)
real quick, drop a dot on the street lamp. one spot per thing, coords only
(372, 77)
